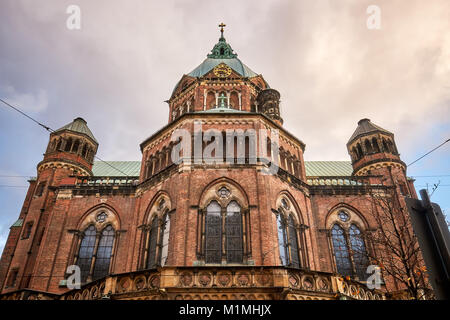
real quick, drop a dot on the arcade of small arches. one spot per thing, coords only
(161, 159)
(368, 146)
(72, 145)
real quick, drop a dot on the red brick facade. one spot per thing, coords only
(68, 204)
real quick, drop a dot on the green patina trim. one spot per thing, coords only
(222, 50)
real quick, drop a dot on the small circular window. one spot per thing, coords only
(101, 217)
(285, 203)
(343, 216)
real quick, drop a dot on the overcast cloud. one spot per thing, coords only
(117, 71)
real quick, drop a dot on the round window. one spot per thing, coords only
(343, 216)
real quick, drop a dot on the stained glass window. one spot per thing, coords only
(213, 245)
(341, 252)
(359, 252)
(165, 239)
(295, 261)
(282, 240)
(151, 259)
(233, 232)
(86, 252)
(105, 245)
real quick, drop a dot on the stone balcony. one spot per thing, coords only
(215, 283)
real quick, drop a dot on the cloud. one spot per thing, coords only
(117, 71)
(28, 102)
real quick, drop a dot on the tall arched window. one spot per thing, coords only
(282, 240)
(86, 252)
(156, 235)
(233, 233)
(341, 251)
(223, 226)
(165, 239)
(291, 237)
(293, 242)
(359, 252)
(213, 233)
(95, 252)
(153, 237)
(349, 248)
(104, 251)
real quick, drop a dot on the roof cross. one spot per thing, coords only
(222, 25)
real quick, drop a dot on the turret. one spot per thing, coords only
(373, 152)
(71, 147)
(268, 102)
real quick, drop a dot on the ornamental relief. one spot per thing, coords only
(223, 193)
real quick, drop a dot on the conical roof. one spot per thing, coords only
(78, 125)
(365, 127)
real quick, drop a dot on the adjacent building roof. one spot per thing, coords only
(364, 127)
(18, 223)
(78, 125)
(116, 168)
(313, 168)
(328, 168)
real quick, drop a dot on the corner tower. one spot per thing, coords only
(374, 152)
(72, 148)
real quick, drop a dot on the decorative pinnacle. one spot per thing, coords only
(222, 25)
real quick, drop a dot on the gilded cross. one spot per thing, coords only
(222, 25)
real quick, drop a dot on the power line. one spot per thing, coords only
(429, 152)
(51, 130)
(436, 176)
(8, 186)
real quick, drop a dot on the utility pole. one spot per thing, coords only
(434, 239)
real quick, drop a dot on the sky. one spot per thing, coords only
(331, 70)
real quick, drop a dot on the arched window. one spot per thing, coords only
(90, 250)
(360, 152)
(153, 236)
(213, 233)
(156, 235)
(293, 242)
(282, 240)
(291, 237)
(104, 252)
(84, 152)
(341, 251)
(68, 145)
(349, 248)
(359, 252)
(376, 147)
(165, 239)
(368, 146)
(75, 146)
(223, 226)
(86, 252)
(233, 233)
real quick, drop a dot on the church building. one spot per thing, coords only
(204, 229)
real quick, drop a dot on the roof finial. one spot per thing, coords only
(222, 25)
